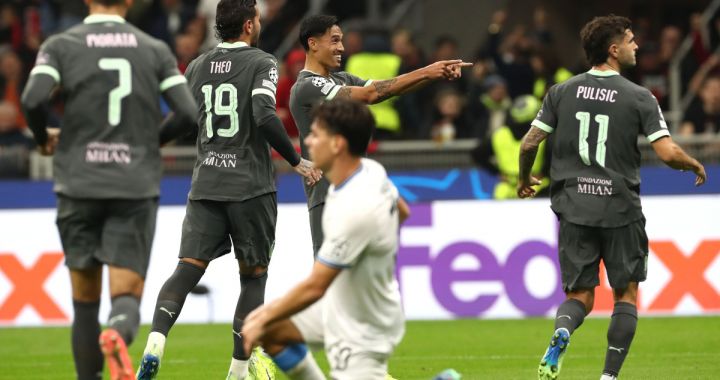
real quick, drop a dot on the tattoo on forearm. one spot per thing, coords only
(528, 150)
(343, 93)
(383, 89)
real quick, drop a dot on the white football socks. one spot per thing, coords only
(307, 369)
(238, 369)
(155, 344)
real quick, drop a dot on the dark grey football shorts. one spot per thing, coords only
(117, 232)
(211, 228)
(316, 230)
(623, 250)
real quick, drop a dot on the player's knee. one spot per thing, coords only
(198, 263)
(628, 294)
(254, 271)
(586, 296)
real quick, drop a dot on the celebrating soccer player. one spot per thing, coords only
(232, 198)
(318, 81)
(595, 185)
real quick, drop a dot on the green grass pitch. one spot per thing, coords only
(664, 348)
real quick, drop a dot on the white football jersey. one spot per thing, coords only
(362, 306)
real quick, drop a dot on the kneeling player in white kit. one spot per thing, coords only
(350, 303)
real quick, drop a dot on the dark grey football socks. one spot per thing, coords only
(570, 315)
(619, 336)
(252, 295)
(172, 296)
(85, 333)
(125, 316)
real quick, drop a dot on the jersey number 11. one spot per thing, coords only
(584, 148)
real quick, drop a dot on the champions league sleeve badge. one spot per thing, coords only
(319, 81)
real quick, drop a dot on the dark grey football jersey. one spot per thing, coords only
(596, 118)
(112, 75)
(233, 161)
(309, 90)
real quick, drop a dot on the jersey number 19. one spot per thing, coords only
(584, 148)
(218, 108)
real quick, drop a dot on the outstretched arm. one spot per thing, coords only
(675, 157)
(528, 151)
(381, 90)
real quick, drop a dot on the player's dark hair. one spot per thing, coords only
(598, 34)
(231, 16)
(350, 119)
(315, 26)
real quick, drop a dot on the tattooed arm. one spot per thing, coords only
(528, 151)
(385, 89)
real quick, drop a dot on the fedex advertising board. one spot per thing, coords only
(457, 259)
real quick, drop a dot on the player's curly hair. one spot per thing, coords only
(350, 119)
(231, 16)
(598, 34)
(315, 26)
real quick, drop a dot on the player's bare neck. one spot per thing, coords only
(316, 67)
(115, 10)
(607, 66)
(243, 38)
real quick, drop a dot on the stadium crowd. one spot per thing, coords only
(514, 60)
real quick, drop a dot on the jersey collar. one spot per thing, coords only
(234, 45)
(98, 18)
(347, 180)
(606, 73)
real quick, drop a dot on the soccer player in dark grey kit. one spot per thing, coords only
(596, 118)
(107, 167)
(321, 38)
(232, 198)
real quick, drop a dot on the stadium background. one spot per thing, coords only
(463, 255)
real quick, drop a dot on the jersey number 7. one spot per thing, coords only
(124, 88)
(584, 148)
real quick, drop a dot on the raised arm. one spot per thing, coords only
(528, 151)
(675, 157)
(381, 90)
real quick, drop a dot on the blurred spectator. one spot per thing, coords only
(499, 153)
(205, 14)
(353, 44)
(11, 31)
(410, 104)
(703, 115)
(510, 52)
(167, 18)
(187, 48)
(12, 82)
(294, 63)
(548, 71)
(15, 146)
(450, 119)
(71, 13)
(376, 62)
(489, 104)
